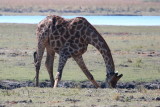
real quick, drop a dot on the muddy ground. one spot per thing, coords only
(12, 84)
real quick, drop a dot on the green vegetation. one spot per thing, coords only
(80, 7)
(135, 52)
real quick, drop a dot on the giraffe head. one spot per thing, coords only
(112, 80)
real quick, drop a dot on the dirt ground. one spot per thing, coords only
(79, 94)
(12, 84)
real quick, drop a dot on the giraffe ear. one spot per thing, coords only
(120, 76)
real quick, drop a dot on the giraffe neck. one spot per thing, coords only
(107, 56)
(98, 42)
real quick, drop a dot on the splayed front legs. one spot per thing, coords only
(82, 65)
(80, 62)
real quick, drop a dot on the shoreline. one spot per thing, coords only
(73, 14)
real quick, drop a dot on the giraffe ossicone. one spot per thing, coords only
(70, 38)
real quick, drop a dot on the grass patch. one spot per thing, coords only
(77, 97)
(135, 52)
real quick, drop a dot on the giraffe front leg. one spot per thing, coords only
(80, 62)
(62, 61)
(49, 66)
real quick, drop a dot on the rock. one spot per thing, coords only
(103, 85)
(122, 65)
(43, 84)
(128, 85)
(142, 98)
(158, 98)
(114, 106)
(152, 86)
(2, 53)
(72, 100)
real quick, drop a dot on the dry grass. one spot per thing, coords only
(110, 3)
(35, 97)
(137, 7)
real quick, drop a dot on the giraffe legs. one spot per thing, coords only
(49, 66)
(82, 65)
(62, 61)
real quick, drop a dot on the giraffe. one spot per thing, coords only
(70, 38)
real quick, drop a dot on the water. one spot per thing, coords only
(95, 20)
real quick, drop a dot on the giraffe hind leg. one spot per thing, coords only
(37, 60)
(82, 65)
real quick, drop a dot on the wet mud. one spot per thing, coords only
(12, 84)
